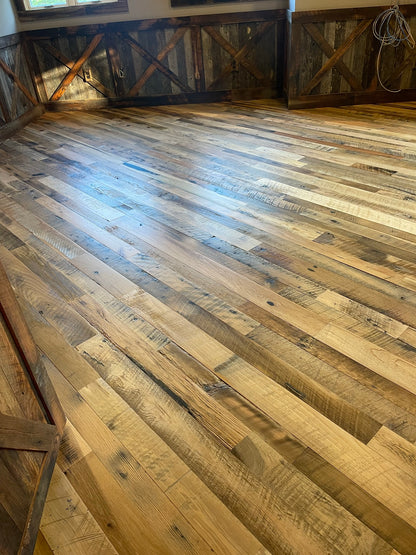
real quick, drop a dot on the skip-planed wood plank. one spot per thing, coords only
(225, 299)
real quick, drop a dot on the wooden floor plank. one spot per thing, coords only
(225, 299)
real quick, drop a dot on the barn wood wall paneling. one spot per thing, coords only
(332, 59)
(188, 59)
(18, 99)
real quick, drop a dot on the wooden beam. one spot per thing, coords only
(29, 49)
(198, 57)
(17, 63)
(72, 73)
(4, 112)
(27, 435)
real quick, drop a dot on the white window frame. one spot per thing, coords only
(69, 8)
(68, 4)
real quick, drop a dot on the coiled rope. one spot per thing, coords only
(391, 29)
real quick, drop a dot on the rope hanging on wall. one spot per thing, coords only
(391, 29)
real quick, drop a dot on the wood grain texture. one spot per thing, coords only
(31, 425)
(17, 93)
(224, 296)
(332, 59)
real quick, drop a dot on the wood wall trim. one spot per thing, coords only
(369, 12)
(13, 127)
(349, 99)
(10, 40)
(73, 11)
(161, 100)
(161, 23)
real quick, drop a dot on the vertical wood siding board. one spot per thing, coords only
(17, 66)
(307, 66)
(407, 63)
(3, 110)
(246, 80)
(112, 60)
(295, 61)
(368, 65)
(177, 58)
(339, 41)
(349, 55)
(152, 42)
(361, 57)
(165, 84)
(35, 74)
(198, 58)
(280, 55)
(189, 59)
(330, 38)
(172, 62)
(411, 75)
(130, 60)
(206, 53)
(140, 67)
(51, 72)
(406, 74)
(265, 54)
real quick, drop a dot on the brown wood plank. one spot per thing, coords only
(18, 433)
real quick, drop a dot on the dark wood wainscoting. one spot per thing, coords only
(18, 100)
(332, 59)
(189, 59)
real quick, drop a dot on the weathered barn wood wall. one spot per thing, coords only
(160, 61)
(332, 59)
(17, 94)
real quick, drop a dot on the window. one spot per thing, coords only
(35, 9)
(42, 4)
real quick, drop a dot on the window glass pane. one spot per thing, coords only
(46, 3)
(93, 1)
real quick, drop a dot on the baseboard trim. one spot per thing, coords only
(348, 99)
(160, 100)
(13, 127)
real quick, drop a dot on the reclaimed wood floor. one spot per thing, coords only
(225, 300)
